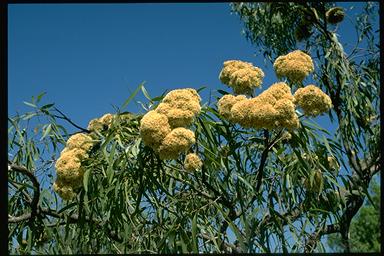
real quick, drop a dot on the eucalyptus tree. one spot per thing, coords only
(231, 185)
(350, 77)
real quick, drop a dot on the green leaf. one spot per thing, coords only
(29, 115)
(194, 234)
(45, 107)
(132, 95)
(86, 179)
(246, 183)
(30, 104)
(146, 94)
(327, 145)
(40, 96)
(46, 131)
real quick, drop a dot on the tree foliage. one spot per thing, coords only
(350, 78)
(365, 227)
(249, 195)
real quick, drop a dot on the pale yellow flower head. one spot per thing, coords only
(95, 125)
(226, 103)
(295, 66)
(180, 106)
(312, 100)
(192, 162)
(80, 140)
(102, 123)
(271, 109)
(261, 114)
(240, 113)
(242, 76)
(153, 128)
(79, 153)
(181, 95)
(106, 119)
(179, 140)
(64, 191)
(68, 167)
(179, 114)
(279, 91)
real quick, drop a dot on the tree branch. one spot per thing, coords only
(63, 116)
(36, 189)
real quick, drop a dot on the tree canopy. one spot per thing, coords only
(246, 173)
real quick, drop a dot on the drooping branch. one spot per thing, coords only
(63, 116)
(36, 193)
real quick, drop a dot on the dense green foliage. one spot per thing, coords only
(365, 227)
(350, 78)
(248, 196)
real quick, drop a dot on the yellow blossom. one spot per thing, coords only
(180, 106)
(295, 66)
(181, 116)
(226, 103)
(79, 153)
(312, 100)
(192, 162)
(106, 119)
(80, 140)
(279, 91)
(240, 113)
(65, 192)
(262, 115)
(179, 140)
(68, 167)
(153, 128)
(243, 77)
(102, 123)
(272, 108)
(181, 95)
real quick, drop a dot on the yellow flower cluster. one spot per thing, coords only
(295, 66)
(335, 15)
(180, 106)
(102, 123)
(68, 166)
(242, 76)
(272, 108)
(192, 162)
(64, 190)
(312, 100)
(163, 129)
(153, 128)
(179, 140)
(80, 140)
(226, 103)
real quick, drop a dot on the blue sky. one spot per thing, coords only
(89, 57)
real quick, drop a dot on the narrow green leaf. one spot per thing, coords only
(146, 94)
(245, 183)
(194, 234)
(45, 107)
(132, 95)
(30, 104)
(86, 179)
(40, 96)
(46, 131)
